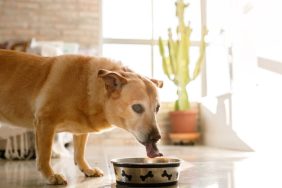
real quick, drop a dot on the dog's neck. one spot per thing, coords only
(97, 94)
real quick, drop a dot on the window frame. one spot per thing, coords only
(152, 42)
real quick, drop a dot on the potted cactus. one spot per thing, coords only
(177, 67)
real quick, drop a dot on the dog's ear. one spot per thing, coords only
(113, 80)
(158, 83)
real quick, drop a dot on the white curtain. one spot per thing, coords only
(19, 142)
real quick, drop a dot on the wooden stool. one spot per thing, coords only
(184, 138)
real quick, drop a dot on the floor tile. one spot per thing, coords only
(202, 167)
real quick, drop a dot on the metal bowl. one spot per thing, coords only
(146, 172)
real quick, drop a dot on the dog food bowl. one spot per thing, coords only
(146, 172)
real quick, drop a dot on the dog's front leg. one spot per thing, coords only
(44, 134)
(79, 149)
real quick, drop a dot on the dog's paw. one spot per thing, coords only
(95, 172)
(57, 179)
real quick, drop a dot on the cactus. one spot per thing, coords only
(176, 64)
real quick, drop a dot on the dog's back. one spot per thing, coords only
(57, 86)
(21, 76)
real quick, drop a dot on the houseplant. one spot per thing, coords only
(175, 53)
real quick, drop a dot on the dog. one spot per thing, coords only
(76, 94)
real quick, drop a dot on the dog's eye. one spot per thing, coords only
(157, 108)
(138, 108)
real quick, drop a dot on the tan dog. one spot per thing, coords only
(79, 95)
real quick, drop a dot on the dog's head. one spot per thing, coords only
(132, 104)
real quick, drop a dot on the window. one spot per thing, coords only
(131, 29)
(219, 51)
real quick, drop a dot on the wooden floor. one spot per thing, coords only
(202, 167)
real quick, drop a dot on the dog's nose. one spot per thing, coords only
(154, 136)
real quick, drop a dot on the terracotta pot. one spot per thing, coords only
(183, 121)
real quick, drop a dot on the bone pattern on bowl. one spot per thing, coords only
(148, 175)
(126, 175)
(165, 174)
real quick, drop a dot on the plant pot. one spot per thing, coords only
(183, 121)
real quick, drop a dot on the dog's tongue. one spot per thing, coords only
(152, 150)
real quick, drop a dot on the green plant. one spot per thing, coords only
(176, 59)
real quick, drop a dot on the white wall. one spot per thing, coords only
(218, 124)
(249, 117)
